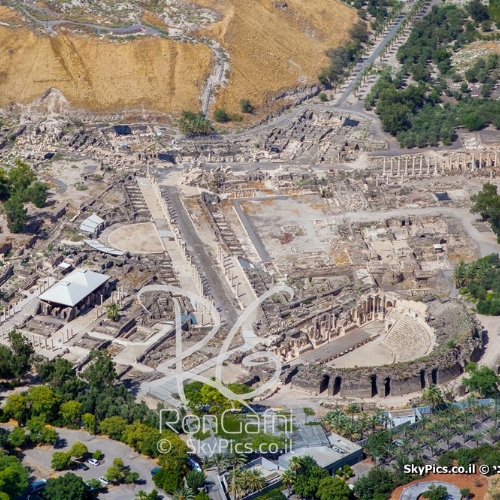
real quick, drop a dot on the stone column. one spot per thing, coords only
(399, 165)
(406, 165)
(421, 161)
(383, 167)
(413, 165)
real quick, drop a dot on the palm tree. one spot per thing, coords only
(183, 494)
(374, 420)
(236, 487)
(447, 436)
(295, 464)
(431, 443)
(113, 311)
(459, 274)
(253, 480)
(476, 437)
(237, 459)
(352, 409)
(363, 425)
(424, 420)
(463, 430)
(219, 461)
(350, 430)
(335, 420)
(288, 479)
(433, 396)
(492, 432)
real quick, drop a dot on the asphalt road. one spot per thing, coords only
(38, 460)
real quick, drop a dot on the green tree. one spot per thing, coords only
(68, 486)
(13, 476)
(433, 396)
(195, 124)
(114, 427)
(5, 185)
(378, 483)
(142, 495)
(183, 494)
(195, 479)
(16, 214)
(89, 422)
(20, 177)
(359, 32)
(253, 480)
(435, 492)
(482, 381)
(309, 477)
(288, 479)
(78, 450)
(168, 479)
(37, 194)
(219, 461)
(60, 460)
(220, 115)
(100, 372)
(333, 488)
(246, 106)
(43, 402)
(17, 437)
(16, 407)
(23, 352)
(113, 311)
(465, 492)
(71, 412)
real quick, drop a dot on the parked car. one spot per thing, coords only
(82, 466)
(94, 462)
(37, 485)
(155, 470)
(104, 480)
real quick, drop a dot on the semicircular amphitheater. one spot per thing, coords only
(383, 345)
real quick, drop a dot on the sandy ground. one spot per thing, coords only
(148, 73)
(273, 47)
(270, 47)
(136, 238)
(459, 480)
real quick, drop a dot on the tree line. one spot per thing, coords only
(17, 187)
(414, 113)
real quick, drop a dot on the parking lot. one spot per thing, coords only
(38, 460)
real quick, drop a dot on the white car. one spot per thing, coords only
(94, 462)
(104, 480)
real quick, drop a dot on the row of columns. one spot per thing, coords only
(438, 164)
(177, 237)
(230, 275)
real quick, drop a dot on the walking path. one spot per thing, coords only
(414, 491)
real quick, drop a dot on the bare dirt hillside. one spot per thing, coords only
(102, 75)
(273, 47)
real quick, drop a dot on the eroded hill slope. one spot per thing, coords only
(270, 46)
